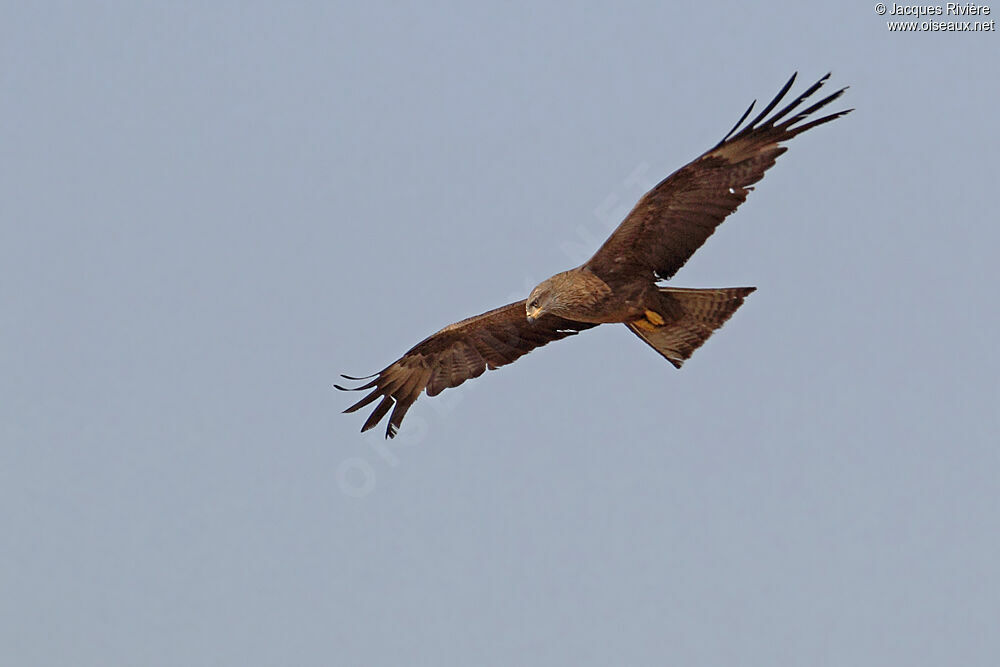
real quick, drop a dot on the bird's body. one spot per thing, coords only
(619, 284)
(585, 297)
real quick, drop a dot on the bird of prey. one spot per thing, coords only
(619, 284)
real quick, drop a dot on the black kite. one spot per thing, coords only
(619, 283)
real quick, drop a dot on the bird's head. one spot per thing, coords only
(571, 294)
(546, 298)
(538, 301)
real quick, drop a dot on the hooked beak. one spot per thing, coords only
(532, 315)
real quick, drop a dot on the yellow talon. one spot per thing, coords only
(654, 318)
(644, 324)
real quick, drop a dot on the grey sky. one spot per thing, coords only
(209, 210)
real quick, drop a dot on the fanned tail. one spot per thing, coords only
(704, 311)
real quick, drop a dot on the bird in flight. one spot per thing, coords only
(619, 284)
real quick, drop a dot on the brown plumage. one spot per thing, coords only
(619, 283)
(457, 353)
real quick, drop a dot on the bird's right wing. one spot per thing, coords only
(457, 353)
(677, 216)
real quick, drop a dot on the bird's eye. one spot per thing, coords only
(533, 304)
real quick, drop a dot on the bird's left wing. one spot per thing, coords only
(457, 353)
(677, 216)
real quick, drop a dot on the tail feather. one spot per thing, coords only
(704, 311)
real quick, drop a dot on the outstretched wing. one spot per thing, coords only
(457, 353)
(676, 217)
